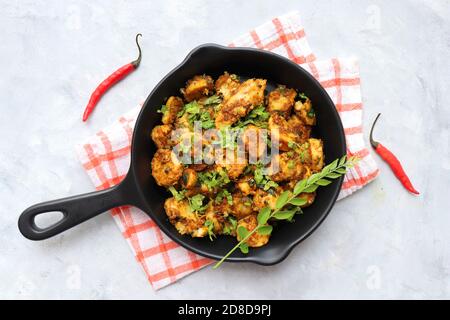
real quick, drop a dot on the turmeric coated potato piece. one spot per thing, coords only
(233, 164)
(281, 130)
(246, 185)
(305, 112)
(184, 220)
(173, 106)
(226, 85)
(309, 197)
(256, 240)
(214, 216)
(248, 95)
(255, 142)
(311, 154)
(263, 199)
(166, 169)
(161, 136)
(286, 166)
(299, 128)
(281, 100)
(316, 151)
(242, 205)
(197, 87)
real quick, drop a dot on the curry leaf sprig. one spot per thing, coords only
(291, 198)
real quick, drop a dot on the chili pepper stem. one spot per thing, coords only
(137, 62)
(373, 142)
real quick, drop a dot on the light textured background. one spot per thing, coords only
(380, 243)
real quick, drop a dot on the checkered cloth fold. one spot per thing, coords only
(106, 155)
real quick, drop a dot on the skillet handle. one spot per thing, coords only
(75, 210)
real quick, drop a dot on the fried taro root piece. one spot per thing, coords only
(281, 100)
(171, 109)
(311, 154)
(248, 95)
(305, 111)
(281, 129)
(197, 87)
(289, 165)
(226, 85)
(298, 126)
(184, 219)
(166, 169)
(161, 136)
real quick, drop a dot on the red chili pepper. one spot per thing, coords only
(392, 161)
(118, 75)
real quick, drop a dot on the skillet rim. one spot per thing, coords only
(281, 254)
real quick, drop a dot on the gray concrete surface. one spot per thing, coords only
(379, 243)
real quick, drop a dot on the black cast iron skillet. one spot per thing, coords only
(140, 190)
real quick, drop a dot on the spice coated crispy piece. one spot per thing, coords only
(166, 169)
(305, 111)
(316, 154)
(226, 85)
(281, 100)
(298, 126)
(256, 240)
(235, 165)
(184, 219)
(254, 141)
(197, 87)
(289, 165)
(281, 129)
(263, 198)
(248, 95)
(242, 205)
(161, 136)
(173, 106)
(216, 218)
(247, 185)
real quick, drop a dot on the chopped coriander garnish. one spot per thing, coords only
(259, 177)
(291, 164)
(302, 97)
(212, 100)
(257, 116)
(210, 225)
(230, 228)
(292, 144)
(163, 109)
(178, 195)
(196, 203)
(214, 179)
(270, 184)
(311, 113)
(207, 122)
(234, 77)
(224, 194)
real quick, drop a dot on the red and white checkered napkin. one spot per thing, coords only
(106, 156)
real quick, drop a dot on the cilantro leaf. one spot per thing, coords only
(212, 100)
(196, 203)
(178, 195)
(224, 194)
(210, 225)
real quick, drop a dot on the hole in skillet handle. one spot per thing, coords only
(46, 220)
